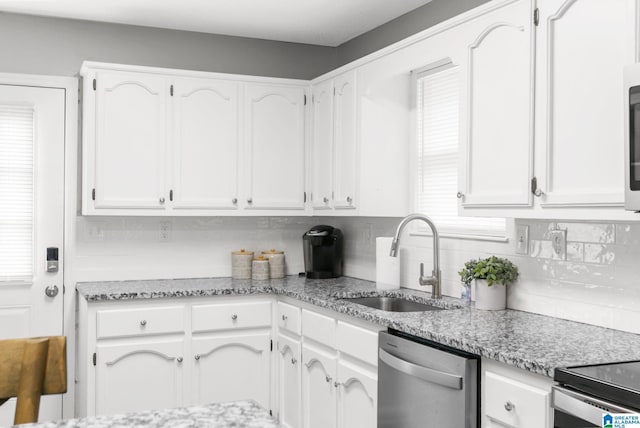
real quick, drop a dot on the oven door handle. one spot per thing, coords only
(583, 406)
(424, 373)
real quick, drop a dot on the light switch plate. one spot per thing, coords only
(559, 243)
(522, 239)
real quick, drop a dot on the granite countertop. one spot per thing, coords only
(529, 341)
(247, 414)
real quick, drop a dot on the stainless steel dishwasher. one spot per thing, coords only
(425, 384)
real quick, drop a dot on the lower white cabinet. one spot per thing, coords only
(357, 396)
(318, 390)
(140, 375)
(289, 382)
(232, 367)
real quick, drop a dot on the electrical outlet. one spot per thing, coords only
(559, 243)
(165, 231)
(522, 239)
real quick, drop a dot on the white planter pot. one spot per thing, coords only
(492, 298)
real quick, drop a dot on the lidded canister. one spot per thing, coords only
(276, 263)
(241, 264)
(260, 268)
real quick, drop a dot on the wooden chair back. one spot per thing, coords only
(30, 368)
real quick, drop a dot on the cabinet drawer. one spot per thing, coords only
(357, 342)
(289, 318)
(140, 321)
(319, 328)
(515, 403)
(227, 316)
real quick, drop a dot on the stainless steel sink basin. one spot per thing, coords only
(393, 304)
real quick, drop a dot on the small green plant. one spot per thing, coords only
(494, 269)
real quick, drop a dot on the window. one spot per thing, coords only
(437, 110)
(16, 192)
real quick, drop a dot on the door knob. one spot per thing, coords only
(234, 317)
(51, 291)
(179, 359)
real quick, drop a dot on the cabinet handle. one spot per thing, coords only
(143, 323)
(250, 201)
(325, 200)
(328, 378)
(197, 357)
(349, 200)
(538, 193)
(234, 201)
(162, 199)
(336, 384)
(234, 317)
(509, 406)
(293, 361)
(284, 317)
(179, 359)
(460, 195)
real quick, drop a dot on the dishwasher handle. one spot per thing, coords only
(424, 373)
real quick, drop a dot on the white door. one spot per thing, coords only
(497, 121)
(32, 134)
(345, 158)
(318, 388)
(583, 46)
(289, 382)
(322, 146)
(129, 141)
(274, 132)
(139, 376)
(231, 368)
(357, 396)
(206, 139)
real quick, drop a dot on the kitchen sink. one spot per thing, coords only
(393, 304)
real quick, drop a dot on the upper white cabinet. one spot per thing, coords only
(334, 145)
(497, 121)
(275, 147)
(206, 144)
(127, 137)
(173, 142)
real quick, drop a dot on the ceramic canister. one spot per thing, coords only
(276, 263)
(260, 268)
(241, 264)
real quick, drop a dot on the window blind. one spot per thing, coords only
(16, 192)
(437, 111)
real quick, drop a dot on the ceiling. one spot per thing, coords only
(318, 22)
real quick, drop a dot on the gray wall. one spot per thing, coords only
(402, 27)
(41, 45)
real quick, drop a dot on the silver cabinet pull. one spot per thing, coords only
(327, 378)
(349, 199)
(293, 361)
(143, 323)
(234, 317)
(250, 201)
(538, 193)
(459, 195)
(197, 357)
(179, 359)
(336, 384)
(51, 290)
(325, 200)
(284, 317)
(509, 406)
(162, 199)
(234, 201)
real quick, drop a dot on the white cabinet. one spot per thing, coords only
(334, 145)
(274, 131)
(318, 389)
(289, 382)
(497, 117)
(140, 375)
(357, 396)
(206, 144)
(232, 367)
(126, 136)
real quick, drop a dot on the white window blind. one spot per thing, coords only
(16, 192)
(437, 110)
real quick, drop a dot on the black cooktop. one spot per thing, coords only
(617, 383)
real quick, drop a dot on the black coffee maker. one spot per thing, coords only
(323, 252)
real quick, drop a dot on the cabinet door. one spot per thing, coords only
(289, 382)
(206, 139)
(357, 396)
(318, 388)
(582, 48)
(130, 139)
(510, 403)
(139, 376)
(275, 147)
(322, 146)
(497, 115)
(345, 158)
(231, 368)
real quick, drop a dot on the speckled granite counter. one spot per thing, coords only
(532, 342)
(245, 414)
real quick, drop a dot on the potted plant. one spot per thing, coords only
(491, 276)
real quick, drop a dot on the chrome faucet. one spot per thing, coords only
(435, 278)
